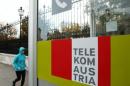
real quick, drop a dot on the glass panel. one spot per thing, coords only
(104, 17)
(112, 17)
(86, 18)
(72, 23)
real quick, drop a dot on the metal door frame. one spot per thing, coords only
(32, 43)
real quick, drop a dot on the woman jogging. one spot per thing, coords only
(19, 66)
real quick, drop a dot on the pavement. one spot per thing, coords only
(7, 75)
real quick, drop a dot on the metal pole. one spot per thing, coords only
(80, 13)
(84, 14)
(20, 26)
(32, 43)
(92, 19)
(21, 11)
(44, 8)
(77, 14)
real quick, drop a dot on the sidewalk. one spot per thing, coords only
(7, 75)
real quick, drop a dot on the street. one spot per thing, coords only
(7, 75)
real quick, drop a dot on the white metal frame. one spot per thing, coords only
(32, 43)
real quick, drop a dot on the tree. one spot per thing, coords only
(122, 23)
(11, 33)
(24, 28)
(72, 30)
(86, 31)
(7, 32)
(74, 27)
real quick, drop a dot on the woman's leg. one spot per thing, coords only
(23, 77)
(18, 74)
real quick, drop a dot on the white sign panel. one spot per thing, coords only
(59, 6)
(85, 61)
(111, 26)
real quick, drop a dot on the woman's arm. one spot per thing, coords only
(14, 63)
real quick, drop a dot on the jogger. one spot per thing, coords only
(19, 66)
(20, 75)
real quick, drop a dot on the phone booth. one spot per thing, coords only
(80, 43)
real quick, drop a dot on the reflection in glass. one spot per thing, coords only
(72, 23)
(86, 18)
(110, 11)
